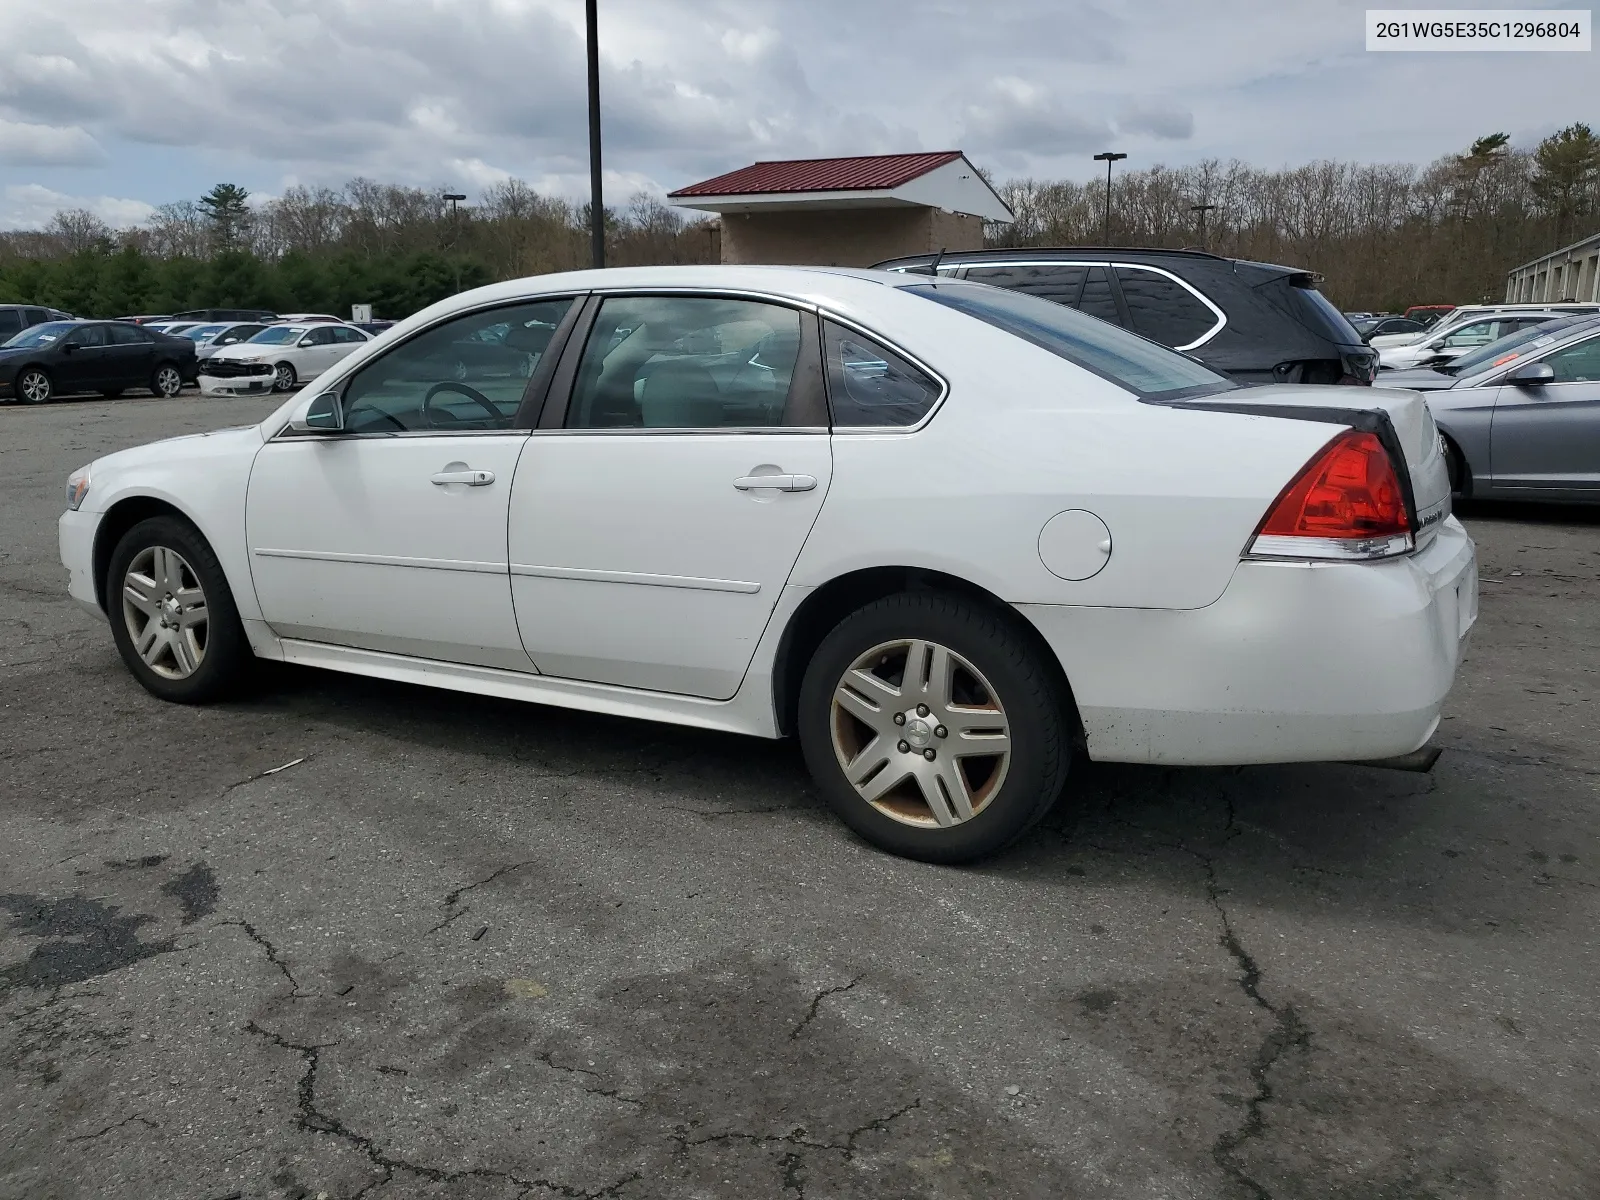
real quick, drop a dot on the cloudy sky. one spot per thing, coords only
(117, 105)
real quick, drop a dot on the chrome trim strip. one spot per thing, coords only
(384, 560)
(1222, 317)
(637, 577)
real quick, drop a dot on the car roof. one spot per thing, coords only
(1133, 253)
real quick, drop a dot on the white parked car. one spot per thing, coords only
(1461, 338)
(1474, 312)
(279, 358)
(948, 535)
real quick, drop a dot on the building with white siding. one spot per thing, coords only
(1570, 273)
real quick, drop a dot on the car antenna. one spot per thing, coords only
(933, 268)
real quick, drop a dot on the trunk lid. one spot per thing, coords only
(1401, 416)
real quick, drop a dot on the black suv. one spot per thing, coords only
(14, 318)
(1255, 322)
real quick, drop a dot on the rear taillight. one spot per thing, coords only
(1346, 503)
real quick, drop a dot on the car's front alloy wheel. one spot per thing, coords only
(172, 613)
(34, 386)
(933, 727)
(283, 377)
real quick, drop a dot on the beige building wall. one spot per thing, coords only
(845, 237)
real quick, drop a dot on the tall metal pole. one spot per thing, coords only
(1108, 157)
(455, 232)
(597, 206)
(1202, 210)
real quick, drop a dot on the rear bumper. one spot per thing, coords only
(1295, 662)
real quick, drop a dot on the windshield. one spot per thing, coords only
(1147, 369)
(202, 333)
(278, 335)
(1513, 346)
(40, 335)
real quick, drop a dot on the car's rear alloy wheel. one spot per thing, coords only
(166, 381)
(932, 727)
(283, 377)
(172, 613)
(33, 386)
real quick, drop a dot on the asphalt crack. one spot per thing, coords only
(311, 1119)
(89, 1137)
(610, 1093)
(816, 1000)
(490, 878)
(255, 936)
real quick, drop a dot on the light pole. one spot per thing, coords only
(1200, 211)
(455, 233)
(1108, 157)
(597, 209)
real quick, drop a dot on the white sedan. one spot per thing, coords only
(279, 358)
(948, 535)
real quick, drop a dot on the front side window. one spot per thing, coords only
(870, 386)
(342, 334)
(87, 335)
(449, 377)
(1149, 371)
(318, 337)
(1577, 364)
(686, 362)
(1477, 333)
(1164, 309)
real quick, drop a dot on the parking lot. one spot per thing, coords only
(349, 938)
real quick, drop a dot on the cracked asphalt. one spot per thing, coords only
(345, 938)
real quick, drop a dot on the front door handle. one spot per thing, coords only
(778, 483)
(470, 478)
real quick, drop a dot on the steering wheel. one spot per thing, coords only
(470, 393)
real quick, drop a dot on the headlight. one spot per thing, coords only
(77, 488)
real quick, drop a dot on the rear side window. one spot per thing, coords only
(1148, 370)
(1163, 309)
(127, 335)
(1097, 298)
(870, 386)
(1053, 281)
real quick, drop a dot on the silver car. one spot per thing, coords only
(1520, 416)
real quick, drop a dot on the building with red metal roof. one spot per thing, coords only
(848, 211)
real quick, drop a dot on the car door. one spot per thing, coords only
(317, 352)
(130, 356)
(1547, 436)
(347, 339)
(80, 363)
(658, 512)
(391, 534)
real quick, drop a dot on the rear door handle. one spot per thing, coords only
(778, 483)
(470, 478)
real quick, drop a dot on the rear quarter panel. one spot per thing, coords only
(1024, 435)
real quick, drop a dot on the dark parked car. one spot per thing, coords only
(225, 314)
(1370, 327)
(62, 357)
(14, 318)
(374, 327)
(147, 318)
(1257, 322)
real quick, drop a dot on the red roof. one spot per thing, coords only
(872, 172)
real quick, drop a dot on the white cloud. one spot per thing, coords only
(1159, 121)
(31, 205)
(24, 143)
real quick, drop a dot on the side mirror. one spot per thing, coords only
(69, 347)
(305, 341)
(1535, 374)
(325, 414)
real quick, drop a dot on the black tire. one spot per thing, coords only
(1028, 691)
(111, 393)
(226, 659)
(166, 381)
(1456, 465)
(34, 386)
(284, 378)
